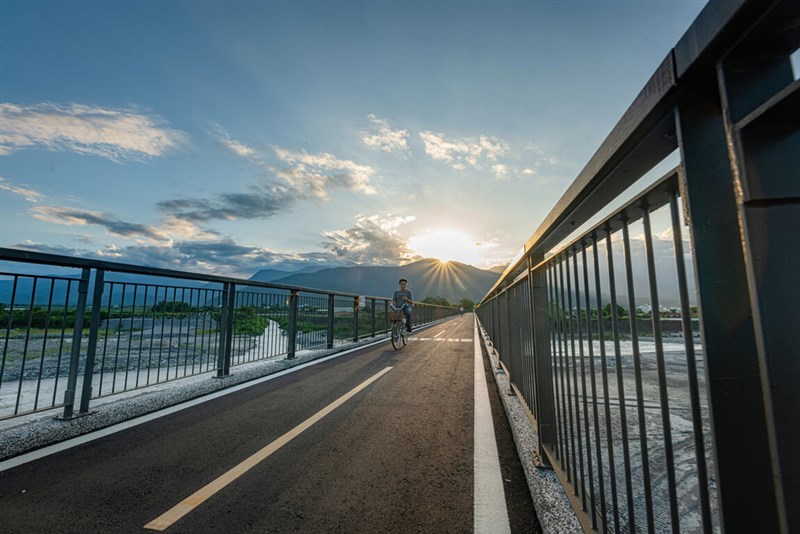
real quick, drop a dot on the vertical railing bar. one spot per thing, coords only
(44, 343)
(8, 328)
(204, 356)
(75, 350)
(171, 332)
(25, 347)
(565, 376)
(238, 299)
(119, 335)
(61, 342)
(222, 329)
(244, 341)
(623, 407)
(559, 355)
(694, 389)
(595, 418)
(661, 366)
(130, 335)
(94, 332)
(554, 357)
(355, 318)
(292, 334)
(231, 329)
(580, 449)
(161, 337)
(372, 301)
(601, 335)
(188, 327)
(105, 343)
(263, 336)
(637, 363)
(330, 321)
(141, 337)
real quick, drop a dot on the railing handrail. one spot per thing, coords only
(58, 260)
(642, 137)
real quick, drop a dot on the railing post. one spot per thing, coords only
(91, 351)
(355, 318)
(543, 372)
(765, 159)
(386, 315)
(748, 501)
(77, 335)
(331, 299)
(226, 330)
(372, 303)
(292, 334)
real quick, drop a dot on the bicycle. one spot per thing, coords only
(398, 328)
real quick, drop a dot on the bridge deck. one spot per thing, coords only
(395, 456)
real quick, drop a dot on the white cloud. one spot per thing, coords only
(373, 240)
(385, 139)
(528, 172)
(116, 134)
(315, 174)
(461, 152)
(29, 194)
(235, 146)
(500, 171)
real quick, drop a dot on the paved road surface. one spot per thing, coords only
(395, 456)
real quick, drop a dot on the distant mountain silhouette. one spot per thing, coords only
(270, 275)
(426, 278)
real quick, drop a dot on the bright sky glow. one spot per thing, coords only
(228, 137)
(449, 245)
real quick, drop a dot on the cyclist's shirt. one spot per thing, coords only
(398, 297)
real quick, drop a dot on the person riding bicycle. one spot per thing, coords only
(403, 300)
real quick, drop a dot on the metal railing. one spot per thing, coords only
(655, 351)
(111, 327)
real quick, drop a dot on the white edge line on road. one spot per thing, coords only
(197, 498)
(491, 515)
(113, 429)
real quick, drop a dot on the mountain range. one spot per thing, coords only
(426, 278)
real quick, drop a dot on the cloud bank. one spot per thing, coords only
(373, 240)
(460, 153)
(119, 135)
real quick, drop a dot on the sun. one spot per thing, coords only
(447, 245)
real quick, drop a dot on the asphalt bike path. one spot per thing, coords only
(374, 441)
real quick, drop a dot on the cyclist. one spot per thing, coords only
(403, 300)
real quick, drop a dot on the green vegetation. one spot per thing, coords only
(437, 301)
(467, 304)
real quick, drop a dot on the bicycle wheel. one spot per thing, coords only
(403, 334)
(396, 333)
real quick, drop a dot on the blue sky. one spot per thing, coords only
(229, 137)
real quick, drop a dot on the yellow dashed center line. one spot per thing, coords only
(168, 518)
